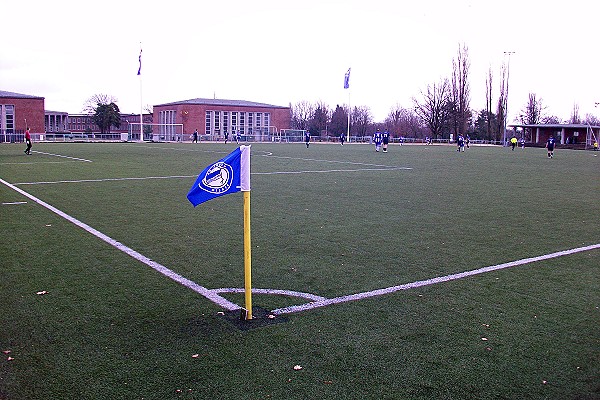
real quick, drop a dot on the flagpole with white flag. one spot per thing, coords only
(230, 174)
(347, 86)
(141, 102)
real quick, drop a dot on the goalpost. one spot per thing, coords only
(290, 135)
(157, 132)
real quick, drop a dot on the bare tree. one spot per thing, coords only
(360, 120)
(591, 119)
(302, 112)
(460, 91)
(501, 110)
(90, 105)
(488, 103)
(532, 113)
(403, 122)
(550, 119)
(575, 118)
(433, 109)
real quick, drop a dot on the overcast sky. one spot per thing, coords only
(281, 52)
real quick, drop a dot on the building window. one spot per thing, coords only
(226, 121)
(208, 124)
(234, 121)
(9, 118)
(258, 121)
(217, 122)
(242, 122)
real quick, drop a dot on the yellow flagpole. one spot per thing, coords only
(247, 256)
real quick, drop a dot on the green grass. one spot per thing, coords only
(112, 328)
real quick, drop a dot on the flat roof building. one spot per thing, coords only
(18, 112)
(214, 117)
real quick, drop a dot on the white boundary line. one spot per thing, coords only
(105, 180)
(194, 176)
(318, 301)
(14, 203)
(427, 282)
(209, 294)
(58, 155)
(38, 162)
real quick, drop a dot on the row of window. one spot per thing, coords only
(221, 122)
(7, 118)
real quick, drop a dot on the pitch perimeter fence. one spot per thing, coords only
(283, 136)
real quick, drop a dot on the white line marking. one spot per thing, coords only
(318, 301)
(209, 294)
(105, 180)
(194, 176)
(37, 162)
(58, 155)
(329, 161)
(14, 203)
(427, 282)
(291, 293)
(331, 170)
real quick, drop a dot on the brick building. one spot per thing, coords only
(214, 117)
(211, 117)
(18, 112)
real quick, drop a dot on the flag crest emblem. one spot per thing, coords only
(218, 179)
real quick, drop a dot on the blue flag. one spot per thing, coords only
(347, 79)
(230, 174)
(140, 68)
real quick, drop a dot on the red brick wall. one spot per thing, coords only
(31, 109)
(192, 116)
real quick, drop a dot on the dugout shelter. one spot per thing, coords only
(573, 135)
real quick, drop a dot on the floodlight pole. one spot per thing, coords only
(506, 95)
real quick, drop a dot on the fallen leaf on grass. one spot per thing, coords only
(43, 292)
(297, 367)
(8, 352)
(9, 359)
(484, 339)
(195, 355)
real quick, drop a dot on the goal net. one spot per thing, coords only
(157, 132)
(289, 135)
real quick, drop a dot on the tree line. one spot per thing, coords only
(440, 110)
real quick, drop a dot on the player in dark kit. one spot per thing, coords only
(377, 138)
(550, 146)
(307, 138)
(385, 137)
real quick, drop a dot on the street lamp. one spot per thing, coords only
(509, 53)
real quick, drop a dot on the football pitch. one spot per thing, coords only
(421, 273)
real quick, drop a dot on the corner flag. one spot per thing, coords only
(347, 79)
(230, 174)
